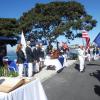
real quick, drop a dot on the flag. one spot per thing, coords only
(87, 43)
(87, 38)
(23, 42)
(97, 40)
(85, 34)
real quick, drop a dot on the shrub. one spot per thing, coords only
(4, 72)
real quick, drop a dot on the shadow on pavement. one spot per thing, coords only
(91, 64)
(96, 74)
(97, 89)
(77, 67)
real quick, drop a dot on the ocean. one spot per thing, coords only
(11, 55)
(11, 52)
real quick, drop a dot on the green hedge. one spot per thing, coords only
(5, 72)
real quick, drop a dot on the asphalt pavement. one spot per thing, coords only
(70, 84)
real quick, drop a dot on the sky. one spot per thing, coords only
(15, 9)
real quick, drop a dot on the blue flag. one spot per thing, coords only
(97, 40)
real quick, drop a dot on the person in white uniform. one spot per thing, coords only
(81, 56)
(88, 55)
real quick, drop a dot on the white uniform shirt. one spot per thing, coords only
(81, 53)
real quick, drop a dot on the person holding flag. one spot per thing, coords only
(87, 48)
(20, 59)
(82, 50)
(81, 57)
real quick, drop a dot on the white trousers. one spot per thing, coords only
(30, 69)
(89, 57)
(20, 68)
(36, 67)
(81, 59)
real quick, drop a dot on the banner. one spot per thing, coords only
(97, 40)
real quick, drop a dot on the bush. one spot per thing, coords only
(5, 72)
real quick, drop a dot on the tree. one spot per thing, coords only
(8, 27)
(57, 18)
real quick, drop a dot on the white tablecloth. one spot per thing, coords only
(30, 91)
(54, 62)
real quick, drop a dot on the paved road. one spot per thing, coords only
(70, 84)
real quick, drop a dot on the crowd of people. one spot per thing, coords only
(87, 55)
(32, 57)
(35, 56)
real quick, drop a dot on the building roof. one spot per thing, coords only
(8, 40)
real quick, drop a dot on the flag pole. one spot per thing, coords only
(83, 42)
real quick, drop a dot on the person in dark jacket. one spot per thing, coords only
(36, 56)
(20, 59)
(36, 53)
(94, 53)
(49, 49)
(41, 56)
(41, 51)
(29, 56)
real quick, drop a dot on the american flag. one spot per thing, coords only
(85, 34)
(87, 38)
(87, 43)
